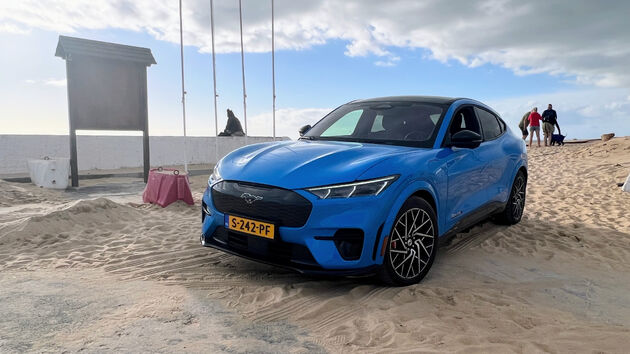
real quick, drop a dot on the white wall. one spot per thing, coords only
(111, 152)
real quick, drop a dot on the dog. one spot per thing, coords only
(557, 138)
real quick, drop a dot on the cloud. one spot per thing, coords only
(48, 82)
(8, 27)
(55, 82)
(391, 61)
(288, 121)
(584, 40)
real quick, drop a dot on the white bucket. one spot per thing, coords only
(50, 173)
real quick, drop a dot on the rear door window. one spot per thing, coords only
(489, 124)
(464, 119)
(502, 124)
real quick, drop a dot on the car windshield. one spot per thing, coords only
(396, 123)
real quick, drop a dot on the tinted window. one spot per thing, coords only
(401, 123)
(377, 126)
(435, 117)
(489, 124)
(502, 124)
(344, 125)
(464, 119)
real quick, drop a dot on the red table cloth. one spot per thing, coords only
(166, 185)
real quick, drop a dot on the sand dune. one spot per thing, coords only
(557, 282)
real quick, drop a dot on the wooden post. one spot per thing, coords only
(145, 131)
(147, 160)
(74, 165)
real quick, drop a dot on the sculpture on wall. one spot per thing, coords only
(233, 126)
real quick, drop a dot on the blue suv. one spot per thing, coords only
(374, 187)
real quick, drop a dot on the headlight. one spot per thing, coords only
(215, 176)
(370, 187)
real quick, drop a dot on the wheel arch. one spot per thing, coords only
(515, 169)
(426, 195)
(390, 271)
(420, 188)
(522, 169)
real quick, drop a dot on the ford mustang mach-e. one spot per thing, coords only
(373, 187)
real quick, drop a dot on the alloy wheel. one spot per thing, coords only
(411, 243)
(518, 197)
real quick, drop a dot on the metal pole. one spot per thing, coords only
(273, 72)
(240, 15)
(214, 82)
(181, 42)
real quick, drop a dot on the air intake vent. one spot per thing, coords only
(349, 243)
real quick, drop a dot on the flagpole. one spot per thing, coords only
(273, 71)
(240, 15)
(181, 42)
(214, 82)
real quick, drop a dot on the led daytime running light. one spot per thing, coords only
(379, 184)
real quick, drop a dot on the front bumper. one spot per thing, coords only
(310, 248)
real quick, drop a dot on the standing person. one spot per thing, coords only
(550, 121)
(522, 125)
(534, 126)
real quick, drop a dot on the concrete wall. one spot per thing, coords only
(112, 152)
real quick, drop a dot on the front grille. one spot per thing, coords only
(280, 206)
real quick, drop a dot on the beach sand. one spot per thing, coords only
(90, 271)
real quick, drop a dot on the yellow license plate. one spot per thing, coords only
(249, 226)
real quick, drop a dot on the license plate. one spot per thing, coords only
(249, 226)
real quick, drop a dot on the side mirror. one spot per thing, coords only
(466, 139)
(304, 129)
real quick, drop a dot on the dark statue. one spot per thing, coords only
(233, 126)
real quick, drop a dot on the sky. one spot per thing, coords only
(509, 54)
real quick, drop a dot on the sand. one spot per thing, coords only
(90, 271)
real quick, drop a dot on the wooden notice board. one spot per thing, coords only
(107, 90)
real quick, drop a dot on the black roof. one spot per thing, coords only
(419, 99)
(68, 46)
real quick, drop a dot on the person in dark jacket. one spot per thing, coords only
(550, 121)
(233, 126)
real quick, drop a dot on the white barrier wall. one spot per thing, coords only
(112, 152)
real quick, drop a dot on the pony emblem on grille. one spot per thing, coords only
(250, 198)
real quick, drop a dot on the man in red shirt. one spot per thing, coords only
(534, 126)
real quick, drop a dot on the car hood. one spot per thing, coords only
(303, 163)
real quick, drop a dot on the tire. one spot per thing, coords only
(409, 255)
(513, 211)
